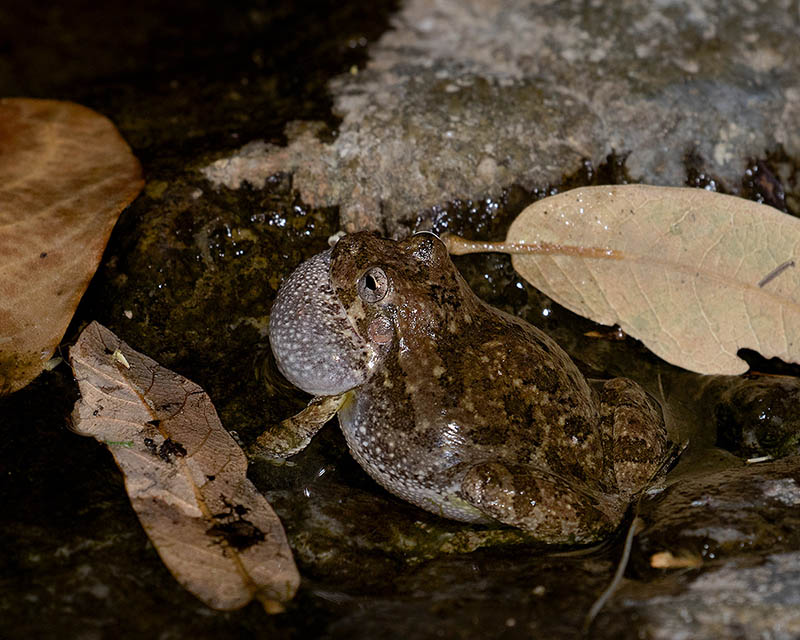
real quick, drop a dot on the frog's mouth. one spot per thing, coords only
(315, 345)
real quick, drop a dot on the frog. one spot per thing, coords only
(460, 408)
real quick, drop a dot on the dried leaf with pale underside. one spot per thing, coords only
(65, 176)
(695, 275)
(185, 475)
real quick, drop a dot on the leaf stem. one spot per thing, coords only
(458, 246)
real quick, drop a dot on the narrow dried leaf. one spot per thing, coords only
(185, 475)
(65, 176)
(695, 275)
(684, 560)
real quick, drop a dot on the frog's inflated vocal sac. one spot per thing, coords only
(455, 406)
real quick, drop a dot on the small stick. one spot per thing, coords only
(636, 526)
(458, 246)
(775, 273)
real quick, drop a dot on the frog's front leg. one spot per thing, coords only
(633, 433)
(551, 508)
(293, 434)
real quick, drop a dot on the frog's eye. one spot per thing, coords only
(373, 285)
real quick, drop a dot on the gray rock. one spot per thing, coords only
(465, 97)
(746, 509)
(732, 568)
(740, 599)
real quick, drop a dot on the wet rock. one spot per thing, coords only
(732, 539)
(751, 509)
(461, 99)
(484, 595)
(190, 277)
(758, 416)
(742, 598)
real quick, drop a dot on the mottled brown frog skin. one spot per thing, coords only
(455, 406)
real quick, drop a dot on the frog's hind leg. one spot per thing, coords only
(633, 433)
(553, 509)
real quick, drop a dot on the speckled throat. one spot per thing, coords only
(315, 345)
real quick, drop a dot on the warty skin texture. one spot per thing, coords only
(455, 406)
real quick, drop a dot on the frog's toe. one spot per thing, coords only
(633, 426)
(490, 487)
(540, 503)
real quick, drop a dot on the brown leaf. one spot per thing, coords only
(65, 176)
(184, 474)
(695, 275)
